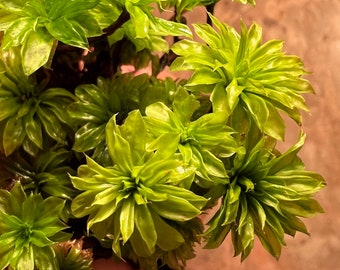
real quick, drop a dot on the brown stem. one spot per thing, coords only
(123, 18)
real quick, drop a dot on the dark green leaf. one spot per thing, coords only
(51, 124)
(9, 106)
(89, 136)
(33, 130)
(14, 134)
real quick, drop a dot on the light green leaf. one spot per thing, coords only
(105, 13)
(149, 194)
(6, 19)
(184, 105)
(208, 163)
(36, 50)
(181, 209)
(205, 76)
(164, 27)
(127, 219)
(303, 208)
(106, 196)
(103, 214)
(134, 132)
(68, 31)
(119, 148)
(258, 210)
(257, 108)
(26, 260)
(233, 93)
(145, 225)
(17, 32)
(155, 171)
(70, 7)
(44, 258)
(166, 144)
(95, 167)
(81, 205)
(39, 239)
(84, 183)
(232, 204)
(219, 99)
(159, 111)
(140, 20)
(208, 34)
(287, 159)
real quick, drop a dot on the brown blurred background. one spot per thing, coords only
(310, 30)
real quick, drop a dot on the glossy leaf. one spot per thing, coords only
(68, 31)
(29, 111)
(197, 138)
(134, 190)
(34, 131)
(145, 225)
(127, 219)
(250, 72)
(35, 26)
(30, 237)
(265, 199)
(36, 50)
(119, 148)
(13, 135)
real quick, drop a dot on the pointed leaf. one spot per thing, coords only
(119, 148)
(127, 219)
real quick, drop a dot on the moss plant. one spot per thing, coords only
(98, 161)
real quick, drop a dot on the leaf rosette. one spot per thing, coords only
(201, 142)
(29, 113)
(239, 71)
(47, 173)
(132, 201)
(29, 227)
(267, 195)
(96, 104)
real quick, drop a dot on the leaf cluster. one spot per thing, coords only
(130, 160)
(29, 227)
